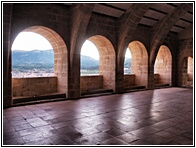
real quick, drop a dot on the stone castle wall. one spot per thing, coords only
(67, 27)
(91, 82)
(129, 80)
(22, 87)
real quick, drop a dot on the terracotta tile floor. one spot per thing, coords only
(152, 117)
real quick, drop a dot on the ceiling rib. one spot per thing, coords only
(179, 26)
(173, 5)
(186, 20)
(151, 18)
(154, 14)
(158, 11)
(107, 5)
(105, 15)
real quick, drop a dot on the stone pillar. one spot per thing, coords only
(162, 28)
(185, 50)
(81, 14)
(7, 77)
(151, 76)
(127, 25)
(120, 76)
(74, 78)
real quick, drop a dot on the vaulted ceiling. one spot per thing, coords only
(153, 15)
(155, 12)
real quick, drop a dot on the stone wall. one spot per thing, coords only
(129, 80)
(163, 65)
(96, 82)
(185, 51)
(52, 16)
(50, 21)
(187, 80)
(107, 60)
(22, 87)
(103, 26)
(139, 65)
(7, 77)
(190, 69)
(187, 72)
(156, 79)
(56, 22)
(91, 82)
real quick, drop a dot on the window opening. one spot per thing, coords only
(163, 66)
(32, 56)
(89, 61)
(190, 71)
(127, 62)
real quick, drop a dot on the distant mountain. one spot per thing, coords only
(34, 56)
(127, 63)
(45, 59)
(87, 62)
(35, 59)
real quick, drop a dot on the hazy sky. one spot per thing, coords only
(128, 54)
(29, 41)
(89, 49)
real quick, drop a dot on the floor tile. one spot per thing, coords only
(15, 141)
(27, 131)
(127, 137)
(32, 137)
(151, 117)
(115, 132)
(39, 142)
(11, 135)
(102, 136)
(183, 141)
(113, 141)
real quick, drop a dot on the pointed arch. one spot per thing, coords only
(139, 65)
(187, 72)
(107, 60)
(163, 66)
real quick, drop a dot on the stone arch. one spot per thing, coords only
(186, 73)
(107, 60)
(139, 66)
(60, 55)
(190, 68)
(163, 66)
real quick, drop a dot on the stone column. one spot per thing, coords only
(120, 75)
(81, 14)
(7, 77)
(151, 76)
(127, 25)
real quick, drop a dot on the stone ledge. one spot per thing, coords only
(96, 91)
(20, 100)
(161, 85)
(134, 88)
